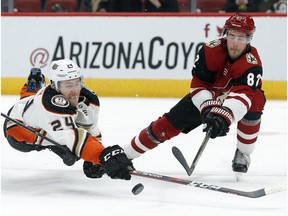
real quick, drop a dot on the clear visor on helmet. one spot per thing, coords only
(239, 38)
(71, 84)
(76, 83)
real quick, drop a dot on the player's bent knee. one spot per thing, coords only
(22, 146)
(252, 117)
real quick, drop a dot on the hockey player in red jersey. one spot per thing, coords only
(66, 112)
(225, 89)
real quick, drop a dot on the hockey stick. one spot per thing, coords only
(69, 159)
(179, 156)
(251, 194)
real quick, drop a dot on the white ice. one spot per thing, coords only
(38, 183)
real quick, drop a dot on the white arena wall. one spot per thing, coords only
(131, 54)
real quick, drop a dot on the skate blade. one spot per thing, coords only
(238, 176)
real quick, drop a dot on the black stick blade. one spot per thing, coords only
(179, 156)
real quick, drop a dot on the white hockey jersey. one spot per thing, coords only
(51, 114)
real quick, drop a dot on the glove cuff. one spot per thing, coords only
(208, 104)
(224, 112)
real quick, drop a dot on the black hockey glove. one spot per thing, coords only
(115, 163)
(92, 170)
(219, 119)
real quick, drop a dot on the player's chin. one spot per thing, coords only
(74, 101)
(234, 54)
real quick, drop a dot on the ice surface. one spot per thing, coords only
(38, 183)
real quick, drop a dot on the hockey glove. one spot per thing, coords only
(206, 107)
(84, 114)
(115, 163)
(219, 118)
(92, 170)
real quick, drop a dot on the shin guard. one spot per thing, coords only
(247, 134)
(158, 132)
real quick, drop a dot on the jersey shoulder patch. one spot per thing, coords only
(59, 101)
(54, 102)
(213, 43)
(251, 59)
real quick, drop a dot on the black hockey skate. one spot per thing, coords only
(240, 162)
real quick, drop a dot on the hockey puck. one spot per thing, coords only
(137, 189)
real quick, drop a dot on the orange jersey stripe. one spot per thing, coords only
(21, 134)
(92, 150)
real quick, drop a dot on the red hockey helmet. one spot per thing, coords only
(240, 22)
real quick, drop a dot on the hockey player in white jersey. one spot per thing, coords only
(67, 112)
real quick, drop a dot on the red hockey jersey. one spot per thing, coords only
(234, 82)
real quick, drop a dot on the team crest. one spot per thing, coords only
(60, 101)
(213, 43)
(251, 58)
